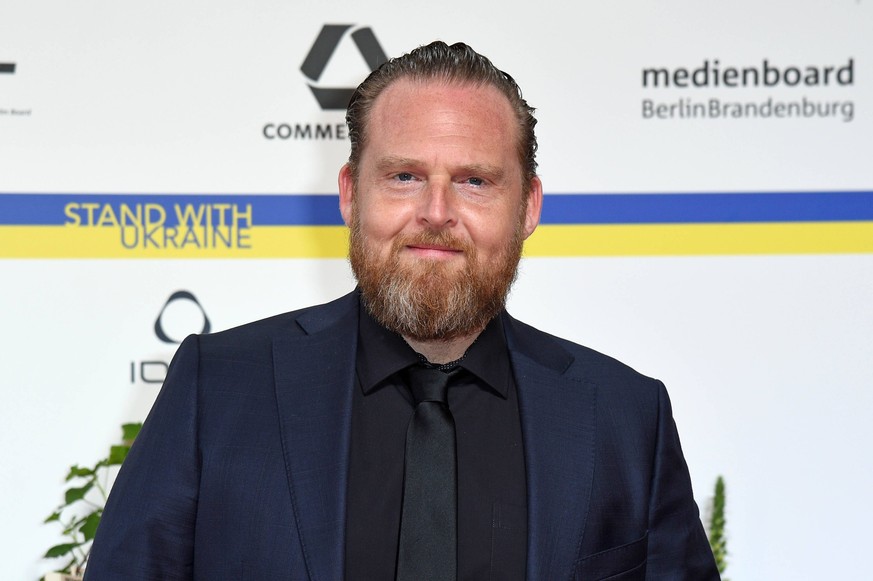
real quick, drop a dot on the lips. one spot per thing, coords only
(433, 247)
(434, 251)
(431, 244)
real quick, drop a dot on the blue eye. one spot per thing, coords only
(404, 177)
(476, 181)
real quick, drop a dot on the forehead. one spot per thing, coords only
(419, 114)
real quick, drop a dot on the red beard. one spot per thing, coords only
(429, 300)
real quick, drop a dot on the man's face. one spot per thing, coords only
(437, 212)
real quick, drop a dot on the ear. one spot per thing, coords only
(534, 207)
(346, 184)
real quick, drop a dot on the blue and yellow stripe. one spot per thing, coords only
(309, 226)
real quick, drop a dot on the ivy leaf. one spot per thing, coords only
(78, 471)
(60, 550)
(129, 432)
(117, 454)
(89, 527)
(74, 494)
(52, 517)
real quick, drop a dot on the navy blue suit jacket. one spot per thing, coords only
(240, 471)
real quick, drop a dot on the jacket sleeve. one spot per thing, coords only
(147, 529)
(678, 549)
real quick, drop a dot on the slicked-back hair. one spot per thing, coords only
(438, 61)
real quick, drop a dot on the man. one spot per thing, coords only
(290, 448)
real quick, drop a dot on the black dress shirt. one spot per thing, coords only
(492, 492)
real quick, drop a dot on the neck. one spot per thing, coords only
(439, 352)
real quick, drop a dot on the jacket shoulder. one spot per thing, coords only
(258, 336)
(571, 358)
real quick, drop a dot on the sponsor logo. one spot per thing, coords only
(181, 295)
(305, 131)
(765, 109)
(714, 76)
(326, 43)
(9, 69)
(328, 96)
(181, 315)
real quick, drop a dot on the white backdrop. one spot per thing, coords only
(760, 326)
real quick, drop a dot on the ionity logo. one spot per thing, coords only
(337, 98)
(154, 371)
(181, 295)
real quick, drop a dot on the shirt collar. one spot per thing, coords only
(382, 353)
(488, 358)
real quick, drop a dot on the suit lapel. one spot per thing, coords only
(314, 380)
(315, 374)
(557, 417)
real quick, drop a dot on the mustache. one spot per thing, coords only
(442, 238)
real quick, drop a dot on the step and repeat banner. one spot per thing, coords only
(170, 167)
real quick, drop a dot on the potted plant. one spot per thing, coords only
(84, 499)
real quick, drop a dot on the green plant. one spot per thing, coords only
(83, 503)
(717, 539)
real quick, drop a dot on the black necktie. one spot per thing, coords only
(428, 523)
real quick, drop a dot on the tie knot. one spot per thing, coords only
(428, 384)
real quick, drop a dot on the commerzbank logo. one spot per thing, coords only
(324, 47)
(340, 58)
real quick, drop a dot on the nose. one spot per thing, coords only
(438, 205)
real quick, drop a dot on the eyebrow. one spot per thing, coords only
(390, 162)
(394, 161)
